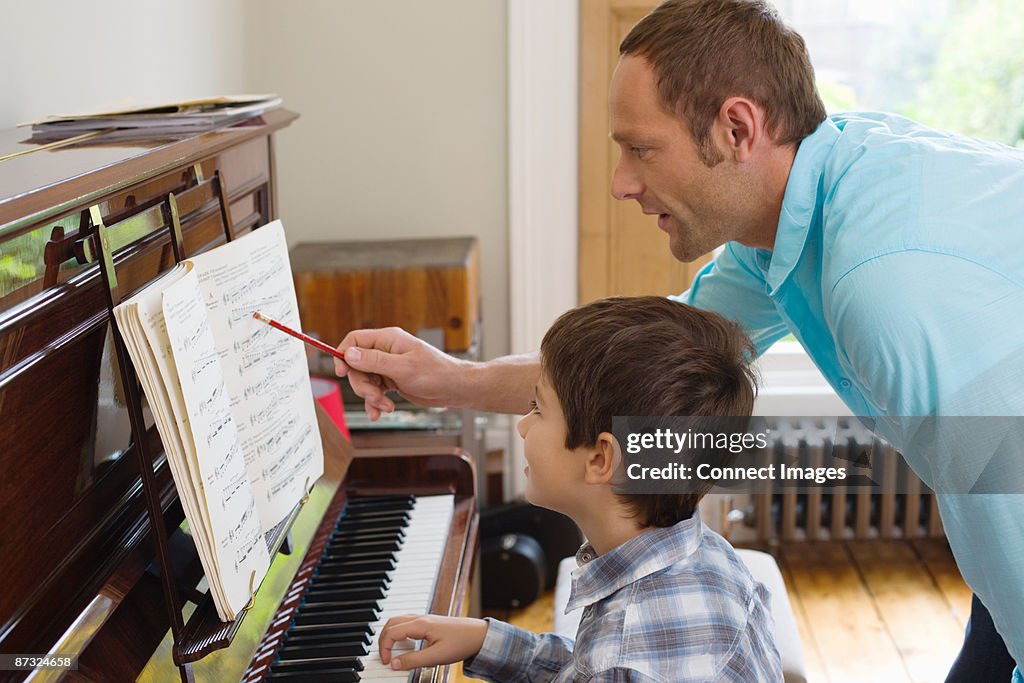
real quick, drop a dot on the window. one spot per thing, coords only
(952, 64)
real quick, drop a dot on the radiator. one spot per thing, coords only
(905, 508)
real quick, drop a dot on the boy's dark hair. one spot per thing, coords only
(646, 355)
(705, 51)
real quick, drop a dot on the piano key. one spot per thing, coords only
(323, 648)
(355, 593)
(315, 605)
(337, 676)
(411, 578)
(356, 639)
(364, 547)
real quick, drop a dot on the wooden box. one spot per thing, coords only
(414, 284)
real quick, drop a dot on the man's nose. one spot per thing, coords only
(625, 184)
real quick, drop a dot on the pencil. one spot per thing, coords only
(298, 335)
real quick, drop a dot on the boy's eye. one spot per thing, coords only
(534, 408)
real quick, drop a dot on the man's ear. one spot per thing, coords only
(603, 459)
(739, 128)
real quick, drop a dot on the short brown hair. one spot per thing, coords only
(646, 356)
(705, 51)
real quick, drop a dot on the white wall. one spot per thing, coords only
(403, 128)
(403, 103)
(62, 56)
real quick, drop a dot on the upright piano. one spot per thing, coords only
(382, 532)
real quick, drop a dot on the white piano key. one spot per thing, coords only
(417, 564)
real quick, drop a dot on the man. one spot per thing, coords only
(889, 250)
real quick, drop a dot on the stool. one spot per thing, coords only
(761, 566)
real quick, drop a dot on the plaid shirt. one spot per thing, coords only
(673, 605)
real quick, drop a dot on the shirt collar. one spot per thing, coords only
(598, 576)
(799, 203)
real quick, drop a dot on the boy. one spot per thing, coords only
(663, 597)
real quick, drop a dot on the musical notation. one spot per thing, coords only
(217, 427)
(242, 553)
(207, 405)
(265, 385)
(242, 312)
(271, 348)
(203, 364)
(232, 487)
(237, 531)
(276, 438)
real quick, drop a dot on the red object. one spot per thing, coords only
(298, 335)
(328, 394)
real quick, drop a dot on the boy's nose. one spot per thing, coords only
(521, 426)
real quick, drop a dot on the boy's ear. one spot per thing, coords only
(603, 460)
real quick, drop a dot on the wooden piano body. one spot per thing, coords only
(75, 534)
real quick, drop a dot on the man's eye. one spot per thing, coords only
(638, 152)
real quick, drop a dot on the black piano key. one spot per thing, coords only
(371, 512)
(340, 616)
(356, 635)
(357, 645)
(367, 515)
(362, 546)
(320, 650)
(341, 582)
(385, 564)
(353, 537)
(314, 604)
(315, 663)
(347, 594)
(333, 676)
(338, 583)
(297, 628)
(401, 517)
(337, 666)
(365, 528)
(358, 554)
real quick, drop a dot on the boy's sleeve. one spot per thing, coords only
(513, 654)
(733, 286)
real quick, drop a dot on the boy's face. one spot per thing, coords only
(553, 472)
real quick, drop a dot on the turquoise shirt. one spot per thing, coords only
(899, 266)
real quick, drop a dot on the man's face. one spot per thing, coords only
(659, 166)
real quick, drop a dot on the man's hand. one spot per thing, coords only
(377, 361)
(447, 640)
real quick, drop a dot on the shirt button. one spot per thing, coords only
(845, 383)
(587, 557)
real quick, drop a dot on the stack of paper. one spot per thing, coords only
(154, 121)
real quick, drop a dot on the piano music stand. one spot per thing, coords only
(204, 632)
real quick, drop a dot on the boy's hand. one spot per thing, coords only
(447, 640)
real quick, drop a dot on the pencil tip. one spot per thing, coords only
(259, 316)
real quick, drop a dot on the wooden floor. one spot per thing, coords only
(891, 611)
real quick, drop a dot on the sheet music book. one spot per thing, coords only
(231, 399)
